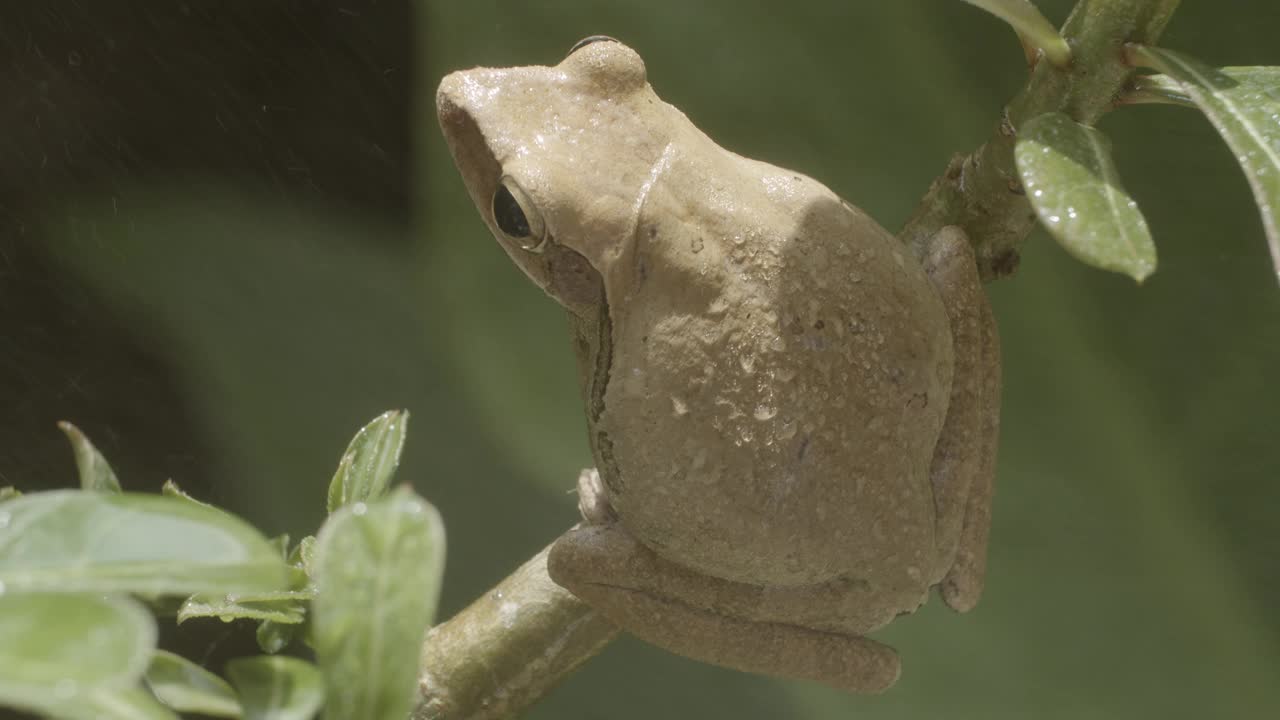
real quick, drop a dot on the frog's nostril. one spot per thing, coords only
(446, 96)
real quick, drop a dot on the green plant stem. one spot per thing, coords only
(981, 192)
(508, 648)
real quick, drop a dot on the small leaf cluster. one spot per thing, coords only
(84, 574)
(1067, 170)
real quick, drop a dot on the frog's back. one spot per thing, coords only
(781, 372)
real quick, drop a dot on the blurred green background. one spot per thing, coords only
(230, 234)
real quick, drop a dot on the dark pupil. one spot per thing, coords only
(508, 215)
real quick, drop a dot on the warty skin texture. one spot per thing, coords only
(793, 418)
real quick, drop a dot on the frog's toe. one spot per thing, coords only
(593, 500)
(962, 587)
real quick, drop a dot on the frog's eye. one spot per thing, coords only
(587, 41)
(517, 218)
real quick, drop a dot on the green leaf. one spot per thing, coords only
(1073, 185)
(1163, 89)
(131, 703)
(371, 459)
(1245, 109)
(277, 687)
(281, 543)
(9, 492)
(73, 540)
(1031, 26)
(303, 553)
(273, 637)
(187, 687)
(377, 574)
(57, 649)
(95, 473)
(171, 489)
(283, 606)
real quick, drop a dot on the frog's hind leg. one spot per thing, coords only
(672, 607)
(963, 584)
(963, 467)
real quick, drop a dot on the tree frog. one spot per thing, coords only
(793, 415)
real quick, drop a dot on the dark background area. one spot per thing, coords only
(304, 105)
(230, 234)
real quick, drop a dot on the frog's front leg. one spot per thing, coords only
(674, 608)
(963, 466)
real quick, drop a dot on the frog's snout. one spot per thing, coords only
(448, 98)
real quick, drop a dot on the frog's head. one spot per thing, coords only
(558, 159)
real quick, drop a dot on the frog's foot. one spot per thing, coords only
(963, 583)
(593, 502)
(655, 600)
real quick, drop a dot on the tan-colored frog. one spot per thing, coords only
(794, 418)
